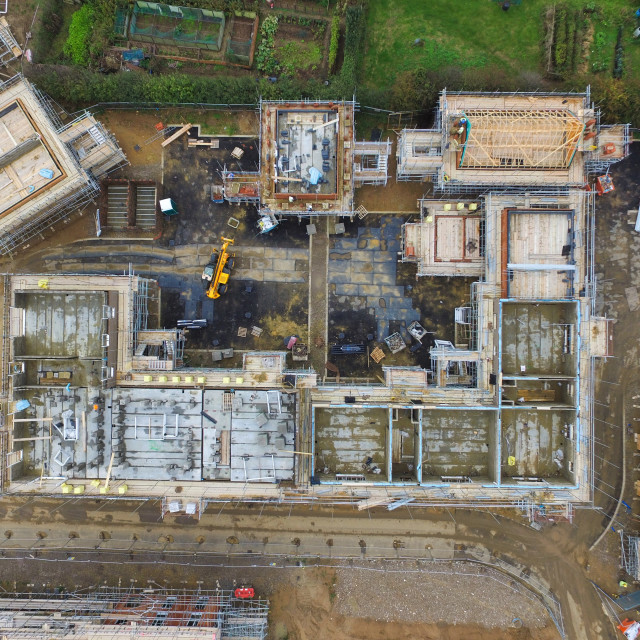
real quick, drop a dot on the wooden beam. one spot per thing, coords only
(286, 179)
(106, 482)
(30, 439)
(325, 124)
(33, 419)
(177, 134)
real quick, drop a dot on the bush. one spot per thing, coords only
(413, 91)
(335, 41)
(80, 31)
(265, 60)
(75, 87)
(353, 40)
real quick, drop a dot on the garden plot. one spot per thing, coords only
(300, 46)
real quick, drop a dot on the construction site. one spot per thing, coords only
(334, 377)
(132, 612)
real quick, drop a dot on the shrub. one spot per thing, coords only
(265, 60)
(335, 41)
(413, 91)
(353, 40)
(80, 31)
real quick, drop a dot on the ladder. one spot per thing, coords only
(274, 404)
(227, 399)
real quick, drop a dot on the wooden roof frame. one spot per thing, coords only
(520, 138)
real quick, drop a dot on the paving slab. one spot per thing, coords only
(297, 253)
(384, 256)
(251, 252)
(370, 232)
(340, 255)
(362, 278)
(382, 279)
(346, 244)
(280, 253)
(261, 263)
(347, 289)
(394, 292)
(339, 277)
(369, 290)
(361, 267)
(362, 256)
(282, 264)
(249, 274)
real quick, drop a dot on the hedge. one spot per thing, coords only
(335, 41)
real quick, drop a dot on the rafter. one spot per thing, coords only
(529, 138)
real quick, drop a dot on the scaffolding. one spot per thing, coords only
(629, 554)
(90, 152)
(9, 49)
(370, 162)
(139, 308)
(131, 613)
(419, 154)
(58, 210)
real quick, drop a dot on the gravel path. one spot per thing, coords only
(458, 593)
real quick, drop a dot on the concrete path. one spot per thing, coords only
(318, 295)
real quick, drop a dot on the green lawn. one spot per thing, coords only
(478, 34)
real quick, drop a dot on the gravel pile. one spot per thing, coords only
(455, 592)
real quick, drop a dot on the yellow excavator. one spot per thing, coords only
(216, 273)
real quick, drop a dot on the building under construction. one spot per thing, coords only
(47, 169)
(501, 414)
(133, 613)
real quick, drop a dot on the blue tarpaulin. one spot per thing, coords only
(132, 54)
(314, 175)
